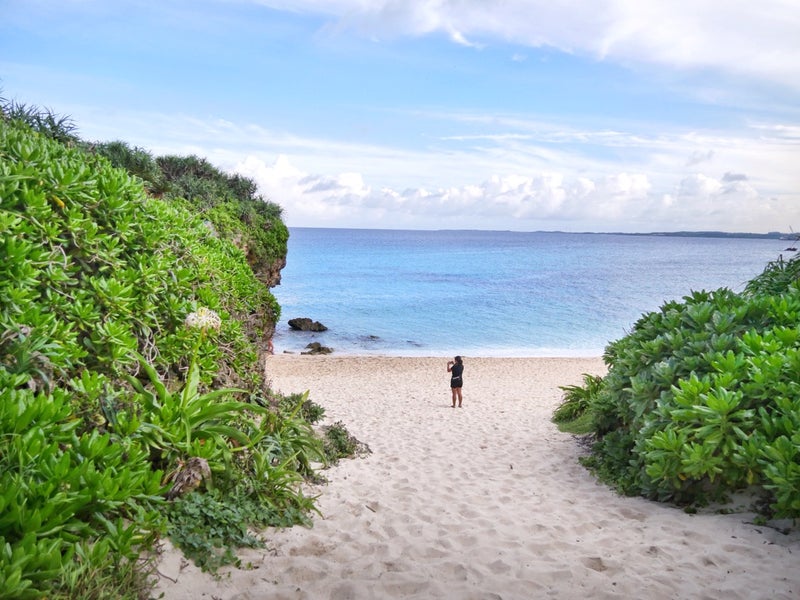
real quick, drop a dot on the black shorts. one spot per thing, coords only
(456, 382)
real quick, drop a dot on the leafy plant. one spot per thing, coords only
(44, 121)
(59, 488)
(103, 384)
(577, 398)
(209, 528)
(310, 411)
(580, 425)
(775, 279)
(700, 399)
(289, 439)
(186, 423)
(230, 202)
(136, 161)
(340, 443)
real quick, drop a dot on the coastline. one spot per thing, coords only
(486, 501)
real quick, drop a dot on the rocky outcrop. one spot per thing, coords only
(306, 324)
(317, 348)
(268, 272)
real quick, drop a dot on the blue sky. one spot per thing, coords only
(586, 115)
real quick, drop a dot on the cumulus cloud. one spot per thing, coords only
(438, 165)
(518, 173)
(544, 200)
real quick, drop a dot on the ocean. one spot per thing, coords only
(494, 293)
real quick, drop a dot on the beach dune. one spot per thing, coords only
(487, 501)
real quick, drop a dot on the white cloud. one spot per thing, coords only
(517, 173)
(489, 168)
(756, 39)
(552, 200)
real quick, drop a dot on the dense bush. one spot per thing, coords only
(138, 162)
(130, 333)
(702, 398)
(230, 202)
(56, 127)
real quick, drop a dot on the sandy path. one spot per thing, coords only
(487, 501)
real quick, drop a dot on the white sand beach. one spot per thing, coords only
(483, 502)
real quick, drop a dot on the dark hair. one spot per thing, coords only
(458, 359)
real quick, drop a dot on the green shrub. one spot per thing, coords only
(136, 161)
(210, 527)
(102, 381)
(577, 398)
(100, 271)
(775, 279)
(230, 202)
(701, 398)
(309, 410)
(340, 443)
(43, 121)
(60, 488)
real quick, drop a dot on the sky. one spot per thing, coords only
(524, 115)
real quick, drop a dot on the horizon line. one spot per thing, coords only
(687, 233)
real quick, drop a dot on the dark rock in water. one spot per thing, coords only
(317, 348)
(306, 324)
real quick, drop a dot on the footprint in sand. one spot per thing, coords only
(598, 564)
(631, 514)
(455, 571)
(499, 567)
(595, 563)
(468, 513)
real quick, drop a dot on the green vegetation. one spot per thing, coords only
(577, 398)
(340, 443)
(310, 411)
(573, 415)
(229, 202)
(702, 398)
(132, 398)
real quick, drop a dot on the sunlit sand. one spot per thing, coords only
(486, 501)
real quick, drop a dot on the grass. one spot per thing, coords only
(581, 425)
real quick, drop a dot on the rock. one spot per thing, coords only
(317, 348)
(306, 324)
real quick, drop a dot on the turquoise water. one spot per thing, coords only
(488, 293)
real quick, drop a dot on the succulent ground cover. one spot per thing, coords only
(702, 398)
(132, 398)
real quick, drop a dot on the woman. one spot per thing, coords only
(456, 368)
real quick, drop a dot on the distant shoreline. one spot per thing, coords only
(772, 235)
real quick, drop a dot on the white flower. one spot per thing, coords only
(204, 318)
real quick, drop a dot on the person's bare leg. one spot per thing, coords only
(458, 393)
(453, 390)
